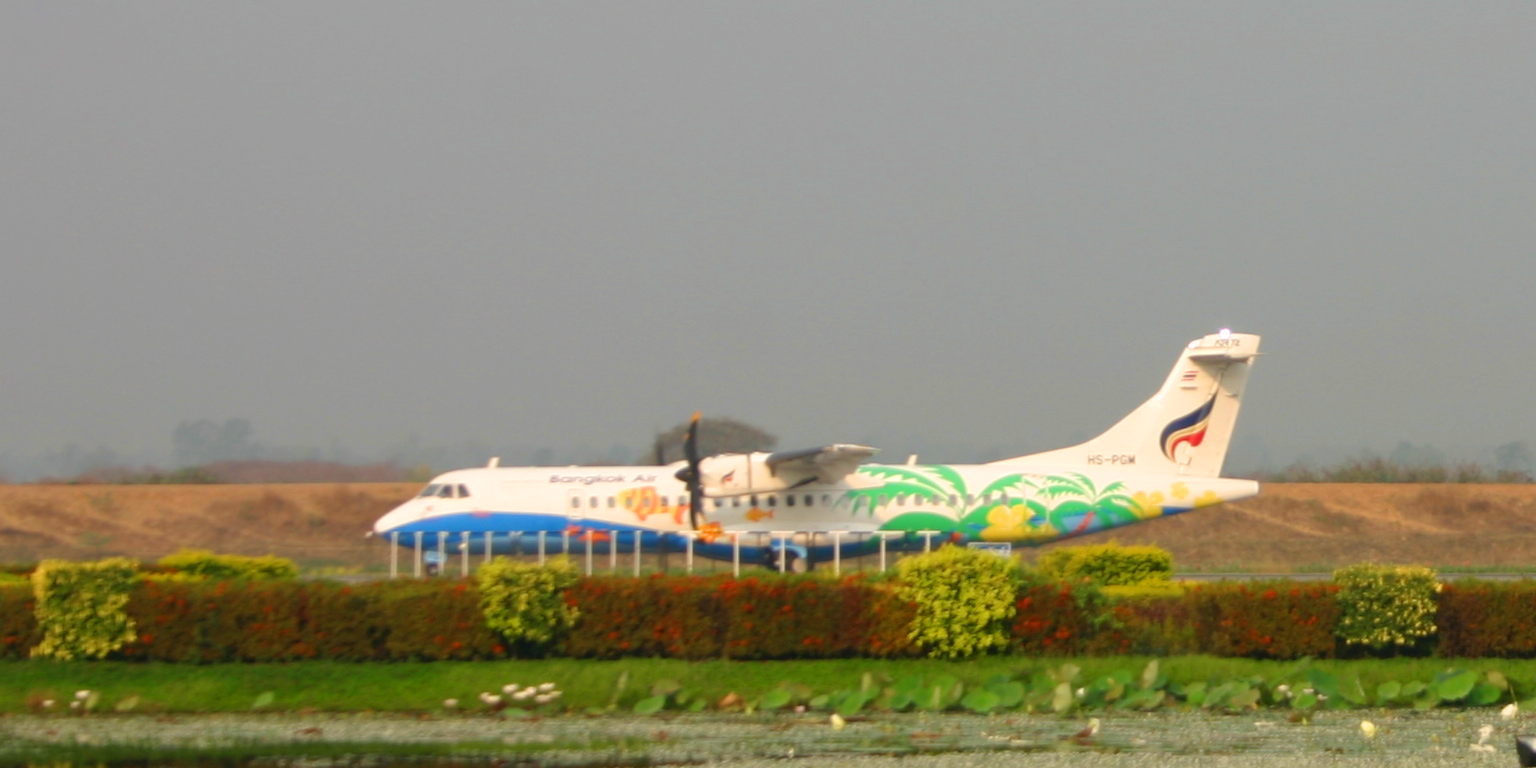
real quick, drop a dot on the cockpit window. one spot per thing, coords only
(446, 492)
(430, 490)
(463, 491)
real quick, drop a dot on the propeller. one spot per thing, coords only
(690, 474)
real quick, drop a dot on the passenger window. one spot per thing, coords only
(809, 498)
(629, 502)
(789, 499)
(773, 501)
(610, 502)
(575, 502)
(735, 501)
(826, 498)
(593, 502)
(953, 500)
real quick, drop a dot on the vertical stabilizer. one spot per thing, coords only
(1186, 427)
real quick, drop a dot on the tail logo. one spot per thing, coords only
(1187, 429)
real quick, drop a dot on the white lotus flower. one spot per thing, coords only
(1509, 711)
(509, 688)
(546, 687)
(1367, 729)
(1484, 733)
(524, 694)
(838, 723)
(82, 695)
(450, 703)
(47, 703)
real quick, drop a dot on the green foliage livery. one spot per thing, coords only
(965, 599)
(80, 607)
(1382, 606)
(1108, 564)
(526, 603)
(203, 564)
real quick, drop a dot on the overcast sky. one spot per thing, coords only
(966, 229)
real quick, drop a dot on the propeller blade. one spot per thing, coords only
(694, 479)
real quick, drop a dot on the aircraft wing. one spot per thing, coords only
(826, 464)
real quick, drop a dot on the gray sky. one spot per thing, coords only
(967, 229)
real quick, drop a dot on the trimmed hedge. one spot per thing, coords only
(702, 617)
(1478, 619)
(18, 621)
(757, 617)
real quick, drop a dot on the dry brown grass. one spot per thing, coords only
(1287, 527)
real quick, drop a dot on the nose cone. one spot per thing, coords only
(399, 516)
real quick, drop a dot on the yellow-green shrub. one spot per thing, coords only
(1109, 564)
(525, 603)
(1385, 605)
(203, 564)
(80, 607)
(964, 597)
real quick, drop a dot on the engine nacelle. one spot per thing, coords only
(739, 474)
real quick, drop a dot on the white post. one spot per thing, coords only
(881, 534)
(394, 554)
(613, 552)
(736, 554)
(688, 539)
(637, 553)
(488, 536)
(589, 553)
(565, 543)
(928, 541)
(837, 553)
(541, 546)
(464, 551)
(417, 556)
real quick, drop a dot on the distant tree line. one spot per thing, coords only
(1412, 464)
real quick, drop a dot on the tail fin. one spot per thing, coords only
(1186, 427)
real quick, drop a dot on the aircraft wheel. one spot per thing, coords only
(794, 563)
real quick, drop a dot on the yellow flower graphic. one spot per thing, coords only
(1146, 505)
(1207, 499)
(1179, 491)
(1006, 523)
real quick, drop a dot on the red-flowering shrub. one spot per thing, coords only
(18, 624)
(1145, 625)
(1054, 618)
(204, 622)
(1487, 619)
(1277, 620)
(434, 620)
(695, 617)
(673, 616)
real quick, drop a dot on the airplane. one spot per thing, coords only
(791, 509)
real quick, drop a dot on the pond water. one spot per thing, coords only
(1262, 739)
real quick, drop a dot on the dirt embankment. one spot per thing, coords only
(310, 522)
(1287, 527)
